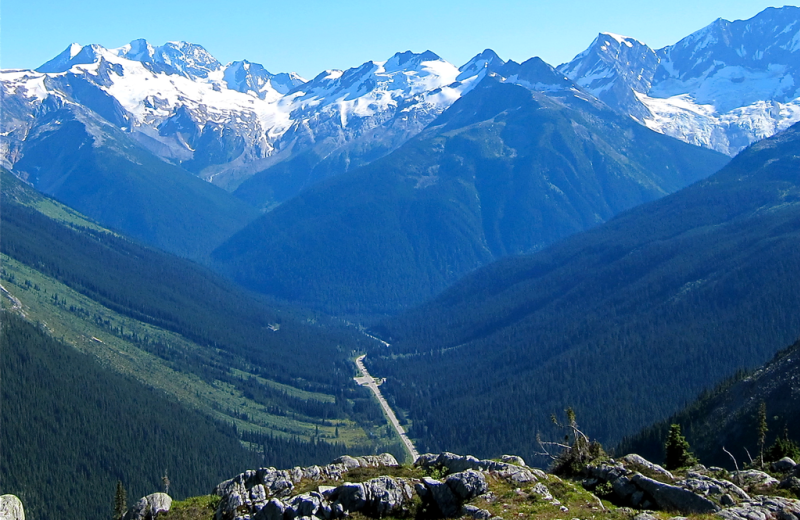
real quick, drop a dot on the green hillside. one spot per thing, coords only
(99, 171)
(71, 429)
(626, 323)
(271, 379)
(503, 171)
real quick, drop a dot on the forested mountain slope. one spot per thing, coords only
(72, 428)
(504, 171)
(727, 416)
(75, 156)
(274, 377)
(626, 323)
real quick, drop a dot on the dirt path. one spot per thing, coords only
(369, 381)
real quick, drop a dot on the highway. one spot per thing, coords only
(367, 380)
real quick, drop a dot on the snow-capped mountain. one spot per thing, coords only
(723, 87)
(614, 68)
(226, 122)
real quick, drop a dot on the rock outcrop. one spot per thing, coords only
(149, 507)
(764, 508)
(443, 485)
(452, 463)
(11, 508)
(702, 491)
(271, 494)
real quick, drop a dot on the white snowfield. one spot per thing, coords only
(722, 87)
(152, 84)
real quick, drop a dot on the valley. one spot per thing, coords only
(203, 264)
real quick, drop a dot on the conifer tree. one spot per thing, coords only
(762, 430)
(679, 454)
(120, 501)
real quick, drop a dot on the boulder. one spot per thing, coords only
(674, 498)
(623, 487)
(784, 465)
(11, 508)
(637, 460)
(347, 461)
(377, 497)
(764, 507)
(273, 510)
(149, 507)
(467, 484)
(452, 463)
(513, 459)
(477, 513)
(705, 485)
(753, 478)
(443, 497)
(352, 497)
(386, 495)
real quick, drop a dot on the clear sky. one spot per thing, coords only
(313, 35)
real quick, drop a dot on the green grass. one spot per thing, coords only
(83, 330)
(195, 508)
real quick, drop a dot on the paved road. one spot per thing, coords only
(369, 381)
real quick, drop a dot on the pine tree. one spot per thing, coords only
(762, 430)
(679, 454)
(120, 501)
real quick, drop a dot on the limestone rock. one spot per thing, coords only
(513, 459)
(641, 461)
(453, 463)
(11, 508)
(753, 478)
(253, 490)
(467, 484)
(273, 510)
(349, 462)
(674, 498)
(705, 485)
(763, 508)
(443, 497)
(377, 497)
(477, 513)
(149, 507)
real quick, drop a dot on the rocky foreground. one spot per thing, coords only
(452, 486)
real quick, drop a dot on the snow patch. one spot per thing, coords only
(622, 40)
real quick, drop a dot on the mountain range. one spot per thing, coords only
(623, 322)
(503, 171)
(722, 87)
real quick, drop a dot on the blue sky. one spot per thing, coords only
(313, 35)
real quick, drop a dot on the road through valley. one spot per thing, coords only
(367, 380)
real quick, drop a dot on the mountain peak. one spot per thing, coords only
(622, 40)
(74, 54)
(486, 59)
(409, 60)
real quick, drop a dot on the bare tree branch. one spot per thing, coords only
(736, 465)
